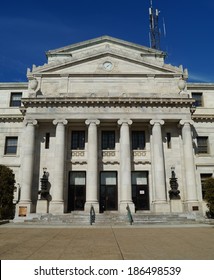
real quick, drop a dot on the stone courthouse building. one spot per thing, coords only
(108, 124)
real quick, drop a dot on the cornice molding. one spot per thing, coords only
(203, 118)
(11, 118)
(111, 101)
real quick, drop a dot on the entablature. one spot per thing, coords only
(113, 101)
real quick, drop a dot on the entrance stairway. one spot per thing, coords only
(113, 219)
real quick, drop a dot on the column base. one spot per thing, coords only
(123, 207)
(176, 206)
(161, 207)
(88, 205)
(56, 207)
(42, 206)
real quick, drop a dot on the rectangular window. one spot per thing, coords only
(202, 143)
(11, 145)
(78, 140)
(15, 99)
(108, 140)
(168, 140)
(204, 177)
(198, 99)
(138, 140)
(47, 140)
(77, 178)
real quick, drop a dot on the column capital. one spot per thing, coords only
(153, 122)
(88, 122)
(127, 121)
(183, 122)
(64, 122)
(30, 121)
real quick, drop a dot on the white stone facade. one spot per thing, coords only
(107, 119)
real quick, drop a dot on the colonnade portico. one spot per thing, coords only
(27, 164)
(92, 167)
(160, 200)
(190, 180)
(57, 202)
(159, 196)
(125, 166)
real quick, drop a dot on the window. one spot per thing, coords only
(15, 99)
(11, 145)
(47, 140)
(204, 177)
(198, 98)
(78, 140)
(168, 140)
(108, 140)
(138, 140)
(202, 142)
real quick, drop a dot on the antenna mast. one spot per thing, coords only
(154, 29)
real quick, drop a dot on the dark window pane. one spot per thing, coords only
(11, 145)
(108, 140)
(15, 100)
(78, 140)
(202, 145)
(138, 140)
(198, 98)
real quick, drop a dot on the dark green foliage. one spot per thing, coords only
(6, 192)
(209, 196)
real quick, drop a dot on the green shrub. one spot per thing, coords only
(6, 193)
(209, 196)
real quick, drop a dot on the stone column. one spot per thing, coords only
(158, 164)
(57, 202)
(92, 167)
(189, 164)
(27, 165)
(125, 166)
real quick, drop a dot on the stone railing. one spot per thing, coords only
(141, 156)
(78, 156)
(77, 153)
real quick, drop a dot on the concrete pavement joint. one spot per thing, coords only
(117, 243)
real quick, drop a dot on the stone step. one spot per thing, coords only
(108, 219)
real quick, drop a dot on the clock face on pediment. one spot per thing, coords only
(107, 65)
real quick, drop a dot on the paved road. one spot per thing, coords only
(111, 243)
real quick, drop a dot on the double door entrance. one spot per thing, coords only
(140, 190)
(108, 191)
(76, 191)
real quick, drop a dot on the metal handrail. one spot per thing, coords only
(92, 215)
(129, 215)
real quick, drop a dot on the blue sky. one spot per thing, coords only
(30, 28)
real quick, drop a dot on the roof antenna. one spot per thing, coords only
(154, 33)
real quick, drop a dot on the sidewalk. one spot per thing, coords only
(111, 243)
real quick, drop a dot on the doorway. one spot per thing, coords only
(76, 191)
(140, 190)
(108, 191)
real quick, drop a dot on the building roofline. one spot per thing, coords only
(102, 39)
(14, 85)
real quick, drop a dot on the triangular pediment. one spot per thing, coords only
(90, 57)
